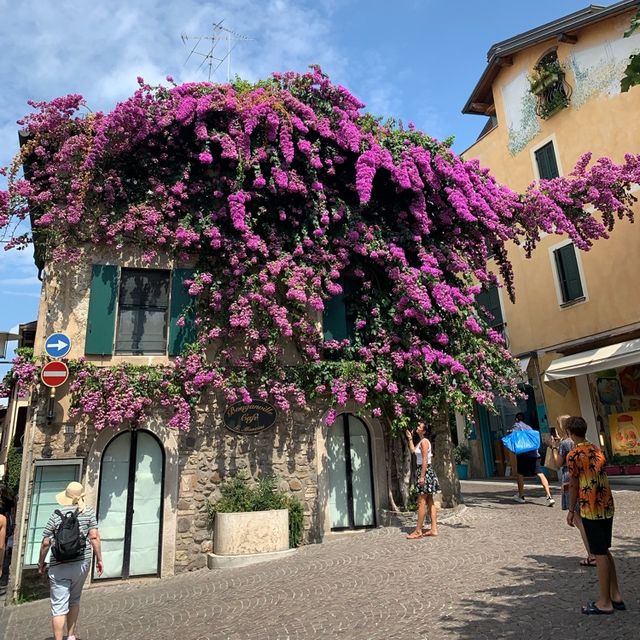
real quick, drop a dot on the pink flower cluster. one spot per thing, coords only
(294, 203)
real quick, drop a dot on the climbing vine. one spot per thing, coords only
(288, 197)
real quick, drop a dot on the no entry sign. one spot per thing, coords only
(54, 373)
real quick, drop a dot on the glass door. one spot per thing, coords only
(351, 502)
(130, 505)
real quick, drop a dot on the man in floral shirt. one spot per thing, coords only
(590, 493)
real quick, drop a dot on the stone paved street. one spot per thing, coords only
(498, 570)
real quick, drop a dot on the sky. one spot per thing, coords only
(416, 60)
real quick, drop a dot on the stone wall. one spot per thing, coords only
(209, 454)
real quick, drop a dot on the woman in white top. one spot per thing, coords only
(426, 483)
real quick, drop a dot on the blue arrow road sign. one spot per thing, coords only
(57, 345)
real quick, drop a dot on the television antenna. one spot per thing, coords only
(205, 47)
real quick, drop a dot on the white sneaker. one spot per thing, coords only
(550, 501)
(518, 498)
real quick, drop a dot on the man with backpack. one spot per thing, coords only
(70, 534)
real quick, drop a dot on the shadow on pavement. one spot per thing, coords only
(544, 600)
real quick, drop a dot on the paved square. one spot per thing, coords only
(499, 570)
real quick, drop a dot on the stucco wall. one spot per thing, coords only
(601, 120)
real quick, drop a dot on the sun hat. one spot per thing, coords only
(73, 495)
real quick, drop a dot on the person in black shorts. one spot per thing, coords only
(589, 493)
(528, 465)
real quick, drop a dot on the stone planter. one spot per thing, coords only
(249, 537)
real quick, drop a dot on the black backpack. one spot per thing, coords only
(68, 542)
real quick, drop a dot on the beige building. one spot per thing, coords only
(550, 95)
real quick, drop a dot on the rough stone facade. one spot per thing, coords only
(209, 454)
(196, 462)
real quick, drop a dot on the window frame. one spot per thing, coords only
(30, 545)
(557, 279)
(167, 313)
(534, 162)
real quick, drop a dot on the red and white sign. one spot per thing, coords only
(54, 373)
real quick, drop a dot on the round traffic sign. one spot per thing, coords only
(57, 345)
(54, 373)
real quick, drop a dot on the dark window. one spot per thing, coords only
(338, 321)
(21, 425)
(546, 161)
(568, 273)
(548, 84)
(488, 302)
(142, 311)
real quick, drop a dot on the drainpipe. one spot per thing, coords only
(23, 495)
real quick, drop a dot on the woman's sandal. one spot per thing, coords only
(428, 534)
(592, 609)
(414, 535)
(588, 562)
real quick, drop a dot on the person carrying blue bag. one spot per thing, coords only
(525, 443)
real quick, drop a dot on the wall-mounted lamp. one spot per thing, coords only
(601, 437)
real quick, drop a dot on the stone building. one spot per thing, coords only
(151, 485)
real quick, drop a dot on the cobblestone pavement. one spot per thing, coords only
(498, 570)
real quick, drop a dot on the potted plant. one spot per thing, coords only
(253, 522)
(461, 455)
(544, 75)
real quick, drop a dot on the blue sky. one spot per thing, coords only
(417, 60)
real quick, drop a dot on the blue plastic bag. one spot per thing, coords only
(522, 441)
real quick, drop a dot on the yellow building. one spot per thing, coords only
(551, 94)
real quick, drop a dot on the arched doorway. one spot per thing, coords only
(130, 505)
(351, 499)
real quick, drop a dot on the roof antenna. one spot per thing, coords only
(205, 48)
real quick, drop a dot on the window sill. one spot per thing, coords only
(573, 302)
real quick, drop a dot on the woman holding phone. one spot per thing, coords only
(426, 484)
(561, 444)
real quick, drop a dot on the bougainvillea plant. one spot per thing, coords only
(286, 195)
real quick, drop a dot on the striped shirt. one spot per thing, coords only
(87, 520)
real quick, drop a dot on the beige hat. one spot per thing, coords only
(72, 495)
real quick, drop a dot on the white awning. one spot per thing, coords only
(524, 363)
(615, 355)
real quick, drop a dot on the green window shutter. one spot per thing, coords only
(546, 161)
(334, 319)
(568, 273)
(489, 299)
(102, 310)
(180, 305)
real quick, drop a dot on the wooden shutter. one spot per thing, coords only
(568, 273)
(546, 161)
(181, 305)
(102, 310)
(489, 299)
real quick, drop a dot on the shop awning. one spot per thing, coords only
(615, 355)
(524, 363)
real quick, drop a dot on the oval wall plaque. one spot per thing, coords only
(249, 418)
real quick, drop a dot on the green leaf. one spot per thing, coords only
(631, 75)
(635, 23)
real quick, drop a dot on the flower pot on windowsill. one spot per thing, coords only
(462, 470)
(543, 83)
